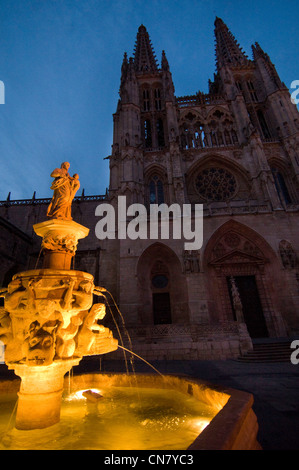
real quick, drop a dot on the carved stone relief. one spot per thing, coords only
(288, 255)
(50, 316)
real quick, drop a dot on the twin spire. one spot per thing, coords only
(144, 59)
(144, 55)
(228, 50)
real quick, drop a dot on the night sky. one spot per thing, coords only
(60, 61)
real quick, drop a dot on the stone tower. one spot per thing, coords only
(234, 150)
(261, 102)
(149, 121)
(145, 126)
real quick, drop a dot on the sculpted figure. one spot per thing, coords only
(236, 300)
(86, 336)
(19, 298)
(65, 342)
(65, 188)
(11, 340)
(15, 296)
(77, 299)
(5, 326)
(39, 346)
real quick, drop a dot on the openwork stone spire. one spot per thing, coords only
(228, 50)
(144, 57)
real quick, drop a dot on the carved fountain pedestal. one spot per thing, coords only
(40, 393)
(60, 240)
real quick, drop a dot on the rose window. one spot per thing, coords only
(216, 184)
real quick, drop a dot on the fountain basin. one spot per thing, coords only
(232, 423)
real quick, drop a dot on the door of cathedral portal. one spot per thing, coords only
(251, 306)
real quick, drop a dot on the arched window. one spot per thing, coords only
(234, 136)
(158, 104)
(160, 133)
(213, 139)
(147, 133)
(156, 191)
(146, 100)
(263, 124)
(227, 137)
(281, 186)
(252, 91)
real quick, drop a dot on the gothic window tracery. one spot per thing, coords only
(147, 133)
(216, 131)
(153, 119)
(216, 184)
(153, 131)
(263, 124)
(252, 91)
(160, 133)
(156, 190)
(247, 86)
(281, 186)
(158, 103)
(227, 137)
(146, 100)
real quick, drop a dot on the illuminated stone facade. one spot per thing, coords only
(235, 150)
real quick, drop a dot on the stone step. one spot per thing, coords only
(269, 351)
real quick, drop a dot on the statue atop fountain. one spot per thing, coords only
(49, 321)
(65, 188)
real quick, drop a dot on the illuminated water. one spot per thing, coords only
(125, 418)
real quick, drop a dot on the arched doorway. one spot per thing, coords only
(163, 297)
(242, 272)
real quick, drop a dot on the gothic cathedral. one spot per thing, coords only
(236, 151)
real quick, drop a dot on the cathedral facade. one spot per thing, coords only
(236, 151)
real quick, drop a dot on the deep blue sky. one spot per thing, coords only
(60, 61)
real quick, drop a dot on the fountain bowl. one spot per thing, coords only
(234, 426)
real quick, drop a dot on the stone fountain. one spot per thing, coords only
(49, 321)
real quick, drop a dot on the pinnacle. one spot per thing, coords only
(218, 20)
(144, 56)
(228, 50)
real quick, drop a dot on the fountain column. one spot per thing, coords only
(39, 398)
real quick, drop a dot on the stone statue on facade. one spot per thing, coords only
(237, 303)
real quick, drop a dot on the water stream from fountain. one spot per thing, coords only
(38, 258)
(118, 330)
(139, 357)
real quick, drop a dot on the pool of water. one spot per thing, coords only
(125, 418)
